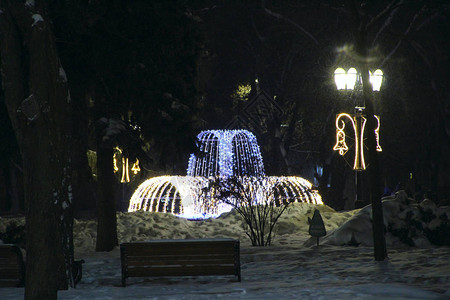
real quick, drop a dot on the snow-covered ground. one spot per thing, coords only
(292, 268)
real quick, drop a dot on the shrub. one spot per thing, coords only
(254, 199)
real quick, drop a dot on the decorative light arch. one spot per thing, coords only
(294, 189)
(169, 194)
(183, 195)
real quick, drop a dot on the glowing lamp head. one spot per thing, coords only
(340, 78)
(345, 80)
(376, 79)
(352, 76)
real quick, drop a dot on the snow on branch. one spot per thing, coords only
(29, 3)
(62, 74)
(113, 128)
(36, 19)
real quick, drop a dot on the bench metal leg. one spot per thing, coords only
(123, 261)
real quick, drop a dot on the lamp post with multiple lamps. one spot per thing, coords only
(350, 81)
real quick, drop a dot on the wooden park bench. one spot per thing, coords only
(12, 267)
(180, 258)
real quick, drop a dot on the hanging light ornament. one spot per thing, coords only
(125, 176)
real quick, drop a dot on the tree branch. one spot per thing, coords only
(281, 17)
(388, 8)
(386, 23)
(408, 29)
(260, 37)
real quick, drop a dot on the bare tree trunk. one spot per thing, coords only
(106, 203)
(84, 195)
(38, 102)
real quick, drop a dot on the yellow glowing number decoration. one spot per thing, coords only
(135, 167)
(358, 122)
(125, 166)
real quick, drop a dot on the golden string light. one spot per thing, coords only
(125, 165)
(116, 168)
(136, 169)
(125, 173)
(341, 146)
(377, 134)
(358, 122)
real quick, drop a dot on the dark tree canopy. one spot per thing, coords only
(172, 67)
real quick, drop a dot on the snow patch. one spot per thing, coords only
(70, 194)
(65, 205)
(29, 3)
(62, 74)
(114, 127)
(403, 220)
(288, 269)
(36, 19)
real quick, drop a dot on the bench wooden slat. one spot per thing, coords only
(8, 263)
(158, 249)
(168, 262)
(7, 254)
(10, 283)
(180, 258)
(181, 271)
(6, 273)
(9, 273)
(5, 249)
(180, 252)
(12, 268)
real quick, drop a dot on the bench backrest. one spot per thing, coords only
(12, 268)
(180, 258)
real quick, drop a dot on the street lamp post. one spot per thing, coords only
(350, 81)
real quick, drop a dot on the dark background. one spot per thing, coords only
(171, 69)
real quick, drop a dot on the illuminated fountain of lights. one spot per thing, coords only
(223, 154)
(169, 194)
(226, 153)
